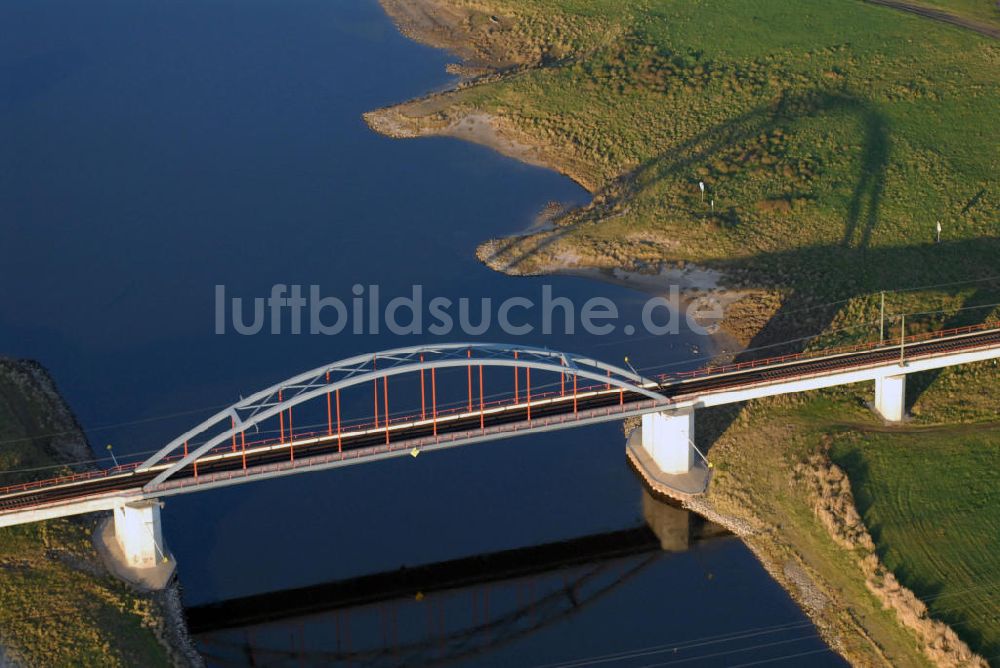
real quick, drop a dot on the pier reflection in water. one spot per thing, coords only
(491, 609)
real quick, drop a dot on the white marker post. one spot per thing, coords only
(902, 341)
(701, 186)
(881, 321)
(713, 205)
(939, 231)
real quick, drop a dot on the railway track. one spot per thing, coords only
(672, 389)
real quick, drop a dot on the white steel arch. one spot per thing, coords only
(359, 369)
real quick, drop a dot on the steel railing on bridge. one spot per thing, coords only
(644, 391)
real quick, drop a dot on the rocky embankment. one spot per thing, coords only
(54, 567)
(833, 503)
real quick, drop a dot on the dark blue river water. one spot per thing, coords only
(150, 151)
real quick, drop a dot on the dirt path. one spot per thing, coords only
(974, 427)
(940, 15)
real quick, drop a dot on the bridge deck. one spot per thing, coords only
(592, 404)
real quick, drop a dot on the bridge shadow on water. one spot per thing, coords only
(446, 612)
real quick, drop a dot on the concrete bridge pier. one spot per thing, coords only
(667, 438)
(139, 534)
(131, 545)
(890, 397)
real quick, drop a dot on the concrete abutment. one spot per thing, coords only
(890, 397)
(668, 438)
(139, 533)
(131, 545)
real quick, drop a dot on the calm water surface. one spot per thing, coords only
(150, 151)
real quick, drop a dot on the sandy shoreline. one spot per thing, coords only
(700, 292)
(425, 120)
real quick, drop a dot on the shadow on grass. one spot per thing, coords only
(930, 591)
(820, 278)
(815, 268)
(810, 277)
(918, 383)
(859, 473)
(684, 158)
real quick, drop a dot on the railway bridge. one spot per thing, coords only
(311, 421)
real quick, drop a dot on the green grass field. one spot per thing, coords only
(58, 607)
(930, 501)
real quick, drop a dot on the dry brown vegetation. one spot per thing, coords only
(834, 506)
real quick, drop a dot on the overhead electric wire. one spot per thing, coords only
(713, 655)
(116, 425)
(697, 642)
(783, 657)
(721, 638)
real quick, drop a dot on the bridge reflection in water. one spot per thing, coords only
(457, 611)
